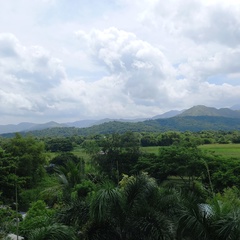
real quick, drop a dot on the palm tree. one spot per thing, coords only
(227, 219)
(135, 210)
(55, 231)
(216, 220)
(75, 213)
(67, 176)
(228, 228)
(195, 221)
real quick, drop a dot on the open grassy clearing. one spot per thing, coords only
(154, 149)
(80, 152)
(227, 150)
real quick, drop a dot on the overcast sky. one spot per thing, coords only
(67, 60)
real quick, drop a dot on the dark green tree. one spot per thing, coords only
(119, 154)
(59, 145)
(29, 155)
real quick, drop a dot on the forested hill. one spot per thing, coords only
(201, 110)
(187, 123)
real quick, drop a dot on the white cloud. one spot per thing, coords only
(202, 21)
(226, 62)
(130, 59)
(149, 79)
(26, 75)
(142, 68)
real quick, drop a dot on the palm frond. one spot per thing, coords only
(76, 213)
(104, 201)
(228, 226)
(101, 231)
(53, 232)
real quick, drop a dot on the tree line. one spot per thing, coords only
(119, 191)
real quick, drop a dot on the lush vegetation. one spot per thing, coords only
(178, 123)
(227, 150)
(149, 185)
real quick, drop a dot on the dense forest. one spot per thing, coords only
(108, 186)
(178, 123)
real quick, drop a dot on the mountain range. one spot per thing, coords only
(173, 117)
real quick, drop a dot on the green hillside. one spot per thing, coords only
(201, 110)
(189, 123)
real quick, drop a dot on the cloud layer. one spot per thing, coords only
(170, 55)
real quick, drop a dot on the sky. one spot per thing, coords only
(69, 60)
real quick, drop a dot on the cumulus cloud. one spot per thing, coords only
(161, 55)
(27, 74)
(200, 20)
(139, 79)
(142, 69)
(8, 46)
(221, 25)
(149, 79)
(226, 62)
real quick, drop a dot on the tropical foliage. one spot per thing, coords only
(179, 192)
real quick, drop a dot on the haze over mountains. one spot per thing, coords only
(196, 111)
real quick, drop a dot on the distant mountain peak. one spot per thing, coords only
(235, 107)
(195, 111)
(201, 110)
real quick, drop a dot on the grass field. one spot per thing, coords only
(150, 149)
(227, 150)
(80, 152)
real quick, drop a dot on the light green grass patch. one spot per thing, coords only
(80, 152)
(154, 149)
(227, 150)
